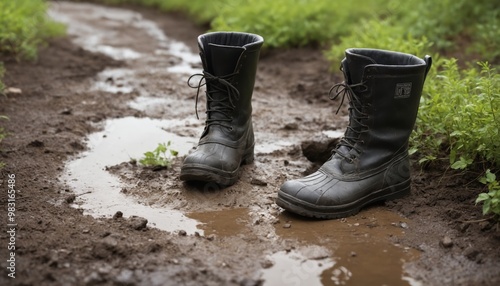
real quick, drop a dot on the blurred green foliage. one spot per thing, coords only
(24, 25)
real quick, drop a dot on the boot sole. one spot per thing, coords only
(306, 209)
(203, 173)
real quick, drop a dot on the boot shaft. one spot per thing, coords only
(383, 109)
(231, 57)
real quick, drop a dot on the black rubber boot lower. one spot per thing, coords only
(229, 68)
(371, 161)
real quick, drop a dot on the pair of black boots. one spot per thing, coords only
(369, 164)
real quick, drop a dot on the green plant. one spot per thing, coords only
(379, 34)
(159, 157)
(24, 25)
(285, 23)
(491, 199)
(458, 109)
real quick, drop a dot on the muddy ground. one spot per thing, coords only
(67, 235)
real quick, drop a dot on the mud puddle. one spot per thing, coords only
(362, 253)
(352, 251)
(122, 140)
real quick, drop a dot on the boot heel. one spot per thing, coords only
(248, 157)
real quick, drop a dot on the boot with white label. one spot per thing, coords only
(371, 161)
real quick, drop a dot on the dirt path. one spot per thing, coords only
(115, 88)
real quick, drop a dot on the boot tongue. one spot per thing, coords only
(354, 66)
(224, 58)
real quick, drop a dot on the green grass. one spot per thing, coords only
(24, 26)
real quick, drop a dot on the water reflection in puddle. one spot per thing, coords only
(361, 247)
(293, 268)
(122, 139)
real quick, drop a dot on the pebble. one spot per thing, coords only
(13, 91)
(70, 199)
(258, 182)
(287, 225)
(291, 126)
(403, 225)
(182, 232)
(267, 264)
(118, 214)
(446, 242)
(211, 237)
(137, 223)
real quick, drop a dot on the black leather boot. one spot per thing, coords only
(229, 67)
(371, 161)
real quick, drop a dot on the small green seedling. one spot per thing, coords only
(159, 157)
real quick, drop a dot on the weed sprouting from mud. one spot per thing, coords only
(162, 156)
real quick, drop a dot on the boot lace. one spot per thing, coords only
(225, 105)
(356, 114)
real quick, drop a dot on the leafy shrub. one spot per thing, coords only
(459, 108)
(488, 36)
(458, 113)
(491, 199)
(285, 23)
(379, 34)
(23, 26)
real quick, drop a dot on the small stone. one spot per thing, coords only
(291, 126)
(67, 111)
(211, 237)
(287, 225)
(267, 264)
(70, 199)
(117, 215)
(403, 225)
(353, 254)
(137, 223)
(446, 242)
(13, 91)
(86, 231)
(182, 232)
(258, 182)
